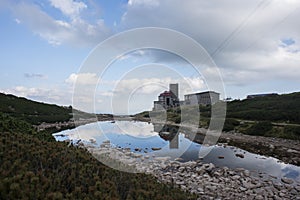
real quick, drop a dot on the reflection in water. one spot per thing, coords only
(168, 133)
(175, 142)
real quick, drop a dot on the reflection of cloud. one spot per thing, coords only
(140, 129)
(85, 133)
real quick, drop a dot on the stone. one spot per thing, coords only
(281, 194)
(287, 180)
(246, 173)
(292, 151)
(236, 177)
(240, 155)
(209, 167)
(259, 197)
(155, 148)
(248, 185)
(179, 182)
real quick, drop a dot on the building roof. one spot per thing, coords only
(199, 93)
(166, 93)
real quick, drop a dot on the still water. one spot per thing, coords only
(147, 138)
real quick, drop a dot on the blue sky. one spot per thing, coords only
(44, 44)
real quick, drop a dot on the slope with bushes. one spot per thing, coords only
(33, 112)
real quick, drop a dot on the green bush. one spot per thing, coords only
(260, 128)
(292, 132)
(230, 124)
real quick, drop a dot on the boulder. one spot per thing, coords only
(287, 180)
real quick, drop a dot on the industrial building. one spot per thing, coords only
(202, 98)
(170, 99)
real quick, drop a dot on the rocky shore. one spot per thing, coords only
(284, 149)
(203, 179)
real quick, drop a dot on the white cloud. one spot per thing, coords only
(70, 8)
(152, 3)
(82, 79)
(75, 31)
(251, 27)
(34, 75)
(55, 96)
(17, 21)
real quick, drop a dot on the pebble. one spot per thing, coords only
(287, 180)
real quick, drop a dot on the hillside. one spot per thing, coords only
(33, 112)
(276, 108)
(31, 168)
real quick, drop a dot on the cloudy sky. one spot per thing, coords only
(44, 44)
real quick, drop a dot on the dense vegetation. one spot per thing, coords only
(33, 112)
(14, 125)
(31, 168)
(34, 166)
(275, 108)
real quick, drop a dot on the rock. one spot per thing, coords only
(92, 140)
(246, 173)
(221, 157)
(240, 155)
(137, 149)
(281, 194)
(236, 177)
(178, 159)
(217, 174)
(156, 148)
(287, 180)
(179, 182)
(259, 197)
(248, 185)
(183, 187)
(292, 151)
(209, 167)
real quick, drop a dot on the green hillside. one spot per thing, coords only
(276, 108)
(33, 112)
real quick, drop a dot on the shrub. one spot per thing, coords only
(230, 124)
(260, 128)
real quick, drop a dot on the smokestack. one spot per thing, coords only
(174, 89)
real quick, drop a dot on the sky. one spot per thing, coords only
(45, 45)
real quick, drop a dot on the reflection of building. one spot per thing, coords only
(169, 133)
(168, 99)
(204, 98)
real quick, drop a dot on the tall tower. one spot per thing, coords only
(174, 89)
